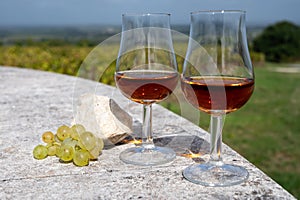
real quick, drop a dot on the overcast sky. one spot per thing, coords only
(86, 12)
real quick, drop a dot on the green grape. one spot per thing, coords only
(40, 152)
(63, 132)
(65, 153)
(74, 135)
(76, 130)
(88, 140)
(95, 152)
(48, 137)
(78, 127)
(81, 158)
(70, 142)
(67, 141)
(57, 145)
(81, 146)
(52, 150)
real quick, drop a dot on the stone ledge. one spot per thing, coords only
(34, 101)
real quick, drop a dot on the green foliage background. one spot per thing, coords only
(60, 59)
(279, 42)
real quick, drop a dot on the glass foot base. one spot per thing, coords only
(216, 176)
(147, 157)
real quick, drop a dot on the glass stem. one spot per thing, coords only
(216, 127)
(147, 127)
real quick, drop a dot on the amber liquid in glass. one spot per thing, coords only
(146, 86)
(211, 93)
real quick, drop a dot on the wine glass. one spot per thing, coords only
(218, 79)
(146, 73)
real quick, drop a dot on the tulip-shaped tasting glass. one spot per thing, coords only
(146, 73)
(218, 79)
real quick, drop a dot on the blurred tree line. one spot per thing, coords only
(279, 42)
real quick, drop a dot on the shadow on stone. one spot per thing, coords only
(189, 146)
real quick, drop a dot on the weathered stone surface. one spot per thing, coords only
(33, 101)
(104, 117)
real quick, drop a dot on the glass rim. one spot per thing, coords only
(217, 11)
(145, 14)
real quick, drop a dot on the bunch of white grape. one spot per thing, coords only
(70, 144)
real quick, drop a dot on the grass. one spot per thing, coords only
(266, 130)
